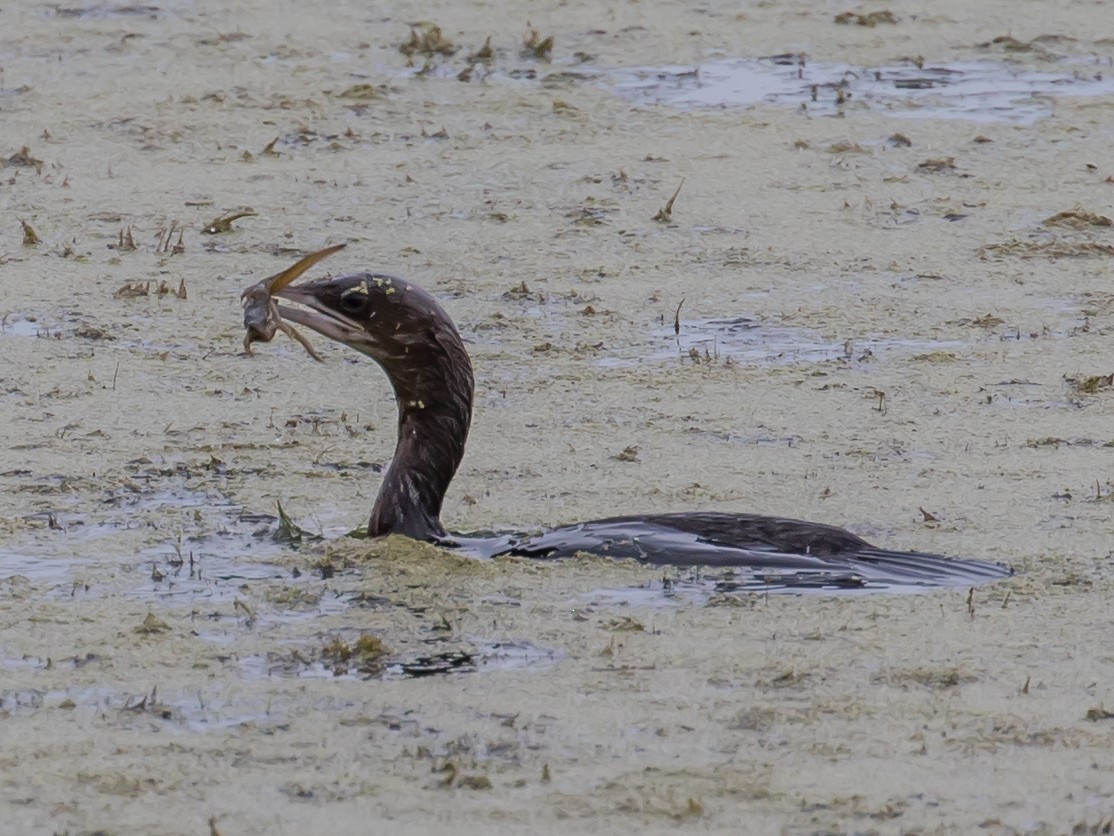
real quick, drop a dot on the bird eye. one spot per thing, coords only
(353, 302)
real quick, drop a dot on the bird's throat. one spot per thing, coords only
(432, 431)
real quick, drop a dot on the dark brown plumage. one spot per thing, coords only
(406, 331)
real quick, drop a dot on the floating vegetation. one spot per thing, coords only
(125, 242)
(167, 245)
(932, 678)
(485, 54)
(1048, 249)
(361, 93)
(426, 39)
(366, 655)
(1077, 219)
(30, 237)
(594, 212)
(136, 289)
(665, 214)
(223, 223)
(535, 46)
(1092, 384)
(152, 625)
(1008, 43)
(846, 147)
(132, 290)
(628, 454)
(23, 159)
(288, 531)
(92, 332)
(985, 321)
(870, 19)
(937, 165)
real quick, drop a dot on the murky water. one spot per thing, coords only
(980, 91)
(21, 327)
(185, 711)
(975, 90)
(744, 339)
(204, 564)
(470, 656)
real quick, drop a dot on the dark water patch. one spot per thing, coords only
(514, 655)
(112, 336)
(437, 664)
(22, 326)
(475, 656)
(480, 655)
(289, 666)
(25, 662)
(212, 570)
(217, 546)
(39, 570)
(980, 91)
(746, 340)
(187, 711)
(105, 11)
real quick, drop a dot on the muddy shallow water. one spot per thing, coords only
(915, 337)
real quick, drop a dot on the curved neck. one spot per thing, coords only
(434, 413)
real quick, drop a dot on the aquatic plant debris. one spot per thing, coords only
(289, 532)
(30, 237)
(223, 223)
